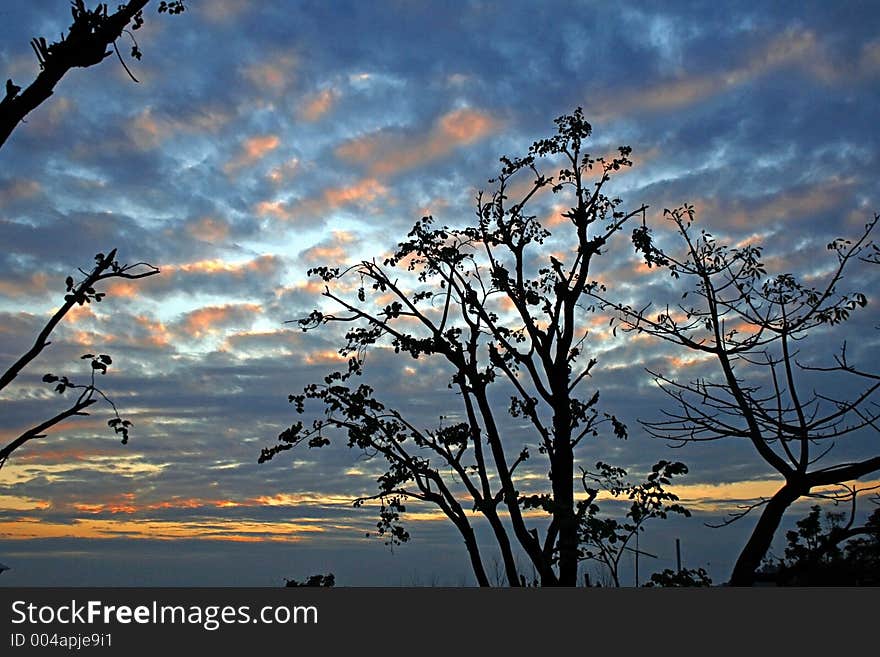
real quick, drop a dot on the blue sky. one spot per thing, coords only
(266, 138)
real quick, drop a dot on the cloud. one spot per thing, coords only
(36, 284)
(209, 229)
(210, 319)
(384, 153)
(317, 105)
(797, 203)
(869, 62)
(361, 193)
(151, 333)
(364, 191)
(223, 11)
(284, 171)
(793, 47)
(252, 150)
(781, 146)
(332, 250)
(18, 189)
(213, 276)
(274, 74)
(151, 128)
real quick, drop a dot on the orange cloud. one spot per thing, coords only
(148, 131)
(386, 154)
(329, 253)
(723, 497)
(317, 105)
(123, 289)
(276, 209)
(331, 250)
(208, 229)
(687, 361)
(787, 206)
(364, 191)
(554, 217)
(79, 313)
(240, 531)
(273, 74)
(324, 357)
(252, 151)
(208, 319)
(21, 503)
(158, 334)
(799, 47)
(368, 189)
(263, 264)
(36, 284)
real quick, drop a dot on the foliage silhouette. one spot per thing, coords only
(323, 581)
(748, 323)
(86, 44)
(441, 295)
(828, 550)
(685, 578)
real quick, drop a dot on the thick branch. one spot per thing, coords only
(38, 431)
(86, 45)
(77, 296)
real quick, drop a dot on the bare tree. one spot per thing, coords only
(788, 405)
(506, 318)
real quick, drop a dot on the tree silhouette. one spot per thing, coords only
(507, 318)
(829, 550)
(685, 578)
(315, 581)
(78, 293)
(768, 391)
(86, 44)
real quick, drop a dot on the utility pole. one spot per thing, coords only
(678, 555)
(637, 559)
(637, 552)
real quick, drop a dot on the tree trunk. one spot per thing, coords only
(562, 477)
(762, 535)
(470, 541)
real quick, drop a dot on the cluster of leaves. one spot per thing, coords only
(172, 7)
(323, 581)
(606, 539)
(90, 391)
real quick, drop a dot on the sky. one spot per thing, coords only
(266, 138)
